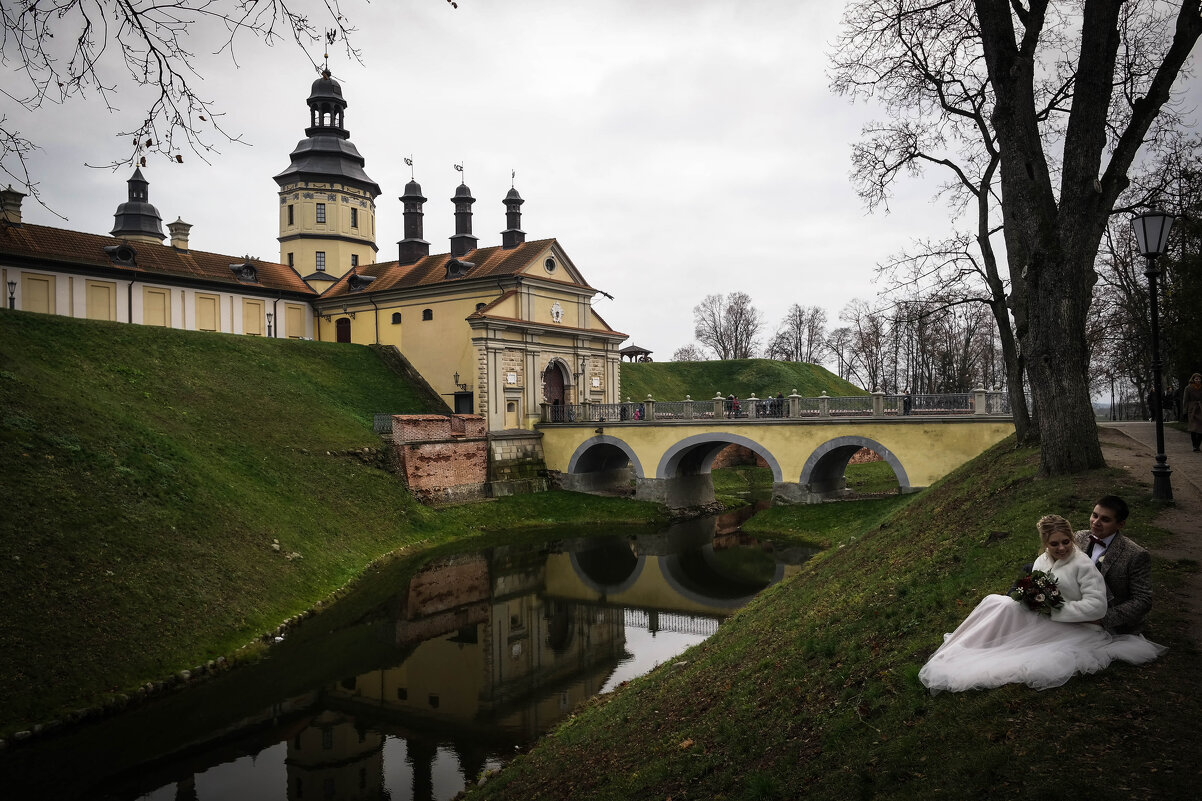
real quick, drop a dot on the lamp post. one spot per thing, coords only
(1152, 236)
(12, 294)
(269, 318)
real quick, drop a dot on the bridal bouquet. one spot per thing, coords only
(1038, 591)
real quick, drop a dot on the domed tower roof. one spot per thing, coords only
(326, 89)
(136, 218)
(327, 153)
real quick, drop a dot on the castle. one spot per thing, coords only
(500, 330)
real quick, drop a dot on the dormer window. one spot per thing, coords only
(357, 283)
(245, 272)
(121, 254)
(457, 268)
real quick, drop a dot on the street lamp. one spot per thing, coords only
(269, 318)
(12, 294)
(1152, 236)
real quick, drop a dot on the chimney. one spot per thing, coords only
(412, 247)
(513, 236)
(179, 234)
(10, 205)
(463, 241)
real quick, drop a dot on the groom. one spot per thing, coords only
(1126, 567)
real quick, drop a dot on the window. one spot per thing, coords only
(354, 260)
(354, 218)
(402, 694)
(156, 307)
(480, 306)
(427, 314)
(321, 260)
(396, 318)
(549, 265)
(321, 212)
(291, 214)
(291, 260)
(101, 300)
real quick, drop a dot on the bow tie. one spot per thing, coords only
(1097, 540)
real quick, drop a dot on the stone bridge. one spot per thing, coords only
(666, 450)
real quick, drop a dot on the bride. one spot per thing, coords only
(1004, 642)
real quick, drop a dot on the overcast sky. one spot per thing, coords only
(675, 149)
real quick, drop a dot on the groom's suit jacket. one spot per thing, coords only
(1127, 569)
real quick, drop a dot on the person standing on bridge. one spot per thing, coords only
(1191, 402)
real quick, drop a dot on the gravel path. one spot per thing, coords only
(1132, 447)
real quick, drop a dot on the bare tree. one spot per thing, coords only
(922, 62)
(688, 353)
(838, 342)
(63, 50)
(867, 345)
(729, 325)
(801, 336)
(1117, 76)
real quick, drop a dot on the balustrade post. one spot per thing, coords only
(979, 406)
(824, 405)
(878, 403)
(752, 403)
(719, 406)
(586, 411)
(688, 407)
(545, 414)
(794, 404)
(649, 408)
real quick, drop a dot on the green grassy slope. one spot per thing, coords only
(671, 381)
(811, 691)
(146, 473)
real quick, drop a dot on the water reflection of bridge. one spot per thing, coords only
(655, 621)
(473, 655)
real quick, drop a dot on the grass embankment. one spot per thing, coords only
(146, 474)
(811, 691)
(671, 381)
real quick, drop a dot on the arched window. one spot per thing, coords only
(480, 306)
(427, 314)
(396, 318)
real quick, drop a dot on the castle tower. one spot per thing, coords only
(513, 235)
(327, 201)
(463, 241)
(135, 219)
(413, 247)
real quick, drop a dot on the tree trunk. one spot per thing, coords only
(1058, 361)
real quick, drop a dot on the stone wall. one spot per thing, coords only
(516, 464)
(453, 458)
(443, 458)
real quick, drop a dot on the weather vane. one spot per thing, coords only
(409, 161)
(513, 177)
(459, 169)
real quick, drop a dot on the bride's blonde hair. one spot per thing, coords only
(1051, 524)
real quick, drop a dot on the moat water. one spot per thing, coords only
(410, 692)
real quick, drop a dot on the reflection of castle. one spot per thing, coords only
(489, 660)
(479, 653)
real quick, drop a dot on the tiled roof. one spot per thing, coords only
(490, 262)
(87, 250)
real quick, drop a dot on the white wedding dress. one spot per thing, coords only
(1004, 642)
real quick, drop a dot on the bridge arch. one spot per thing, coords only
(602, 464)
(823, 470)
(609, 568)
(694, 455)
